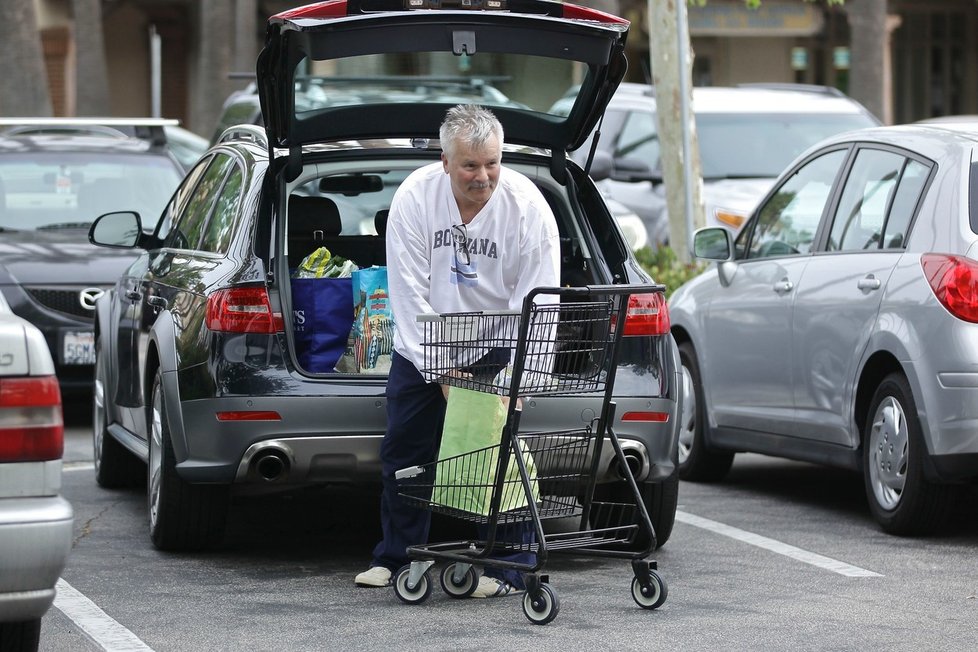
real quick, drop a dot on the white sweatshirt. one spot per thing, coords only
(512, 243)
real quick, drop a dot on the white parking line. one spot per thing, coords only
(102, 630)
(773, 545)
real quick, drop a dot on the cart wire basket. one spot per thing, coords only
(563, 342)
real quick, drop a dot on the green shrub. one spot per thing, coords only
(664, 267)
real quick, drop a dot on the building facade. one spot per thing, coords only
(932, 51)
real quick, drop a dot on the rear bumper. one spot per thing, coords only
(35, 539)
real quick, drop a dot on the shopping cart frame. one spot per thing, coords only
(594, 538)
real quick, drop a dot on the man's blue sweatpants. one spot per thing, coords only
(415, 416)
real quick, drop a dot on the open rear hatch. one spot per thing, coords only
(381, 69)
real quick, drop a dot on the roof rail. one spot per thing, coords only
(252, 133)
(143, 128)
(800, 88)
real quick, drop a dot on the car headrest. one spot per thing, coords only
(309, 214)
(380, 221)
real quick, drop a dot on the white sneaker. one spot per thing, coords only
(375, 576)
(490, 587)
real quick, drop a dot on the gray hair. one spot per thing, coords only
(469, 123)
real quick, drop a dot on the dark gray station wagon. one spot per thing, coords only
(202, 370)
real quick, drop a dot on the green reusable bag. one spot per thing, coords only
(469, 454)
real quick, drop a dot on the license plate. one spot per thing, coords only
(79, 347)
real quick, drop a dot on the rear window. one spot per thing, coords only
(54, 190)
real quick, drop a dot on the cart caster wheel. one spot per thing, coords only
(409, 595)
(462, 589)
(542, 608)
(652, 594)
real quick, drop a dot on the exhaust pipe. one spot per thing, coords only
(271, 464)
(637, 459)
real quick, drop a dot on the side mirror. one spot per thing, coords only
(632, 171)
(713, 243)
(122, 230)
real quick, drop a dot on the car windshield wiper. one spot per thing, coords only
(64, 225)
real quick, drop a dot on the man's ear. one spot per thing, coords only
(444, 162)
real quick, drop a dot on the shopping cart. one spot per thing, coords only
(564, 341)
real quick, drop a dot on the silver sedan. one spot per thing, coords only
(839, 327)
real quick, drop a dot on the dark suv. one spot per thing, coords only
(201, 372)
(56, 177)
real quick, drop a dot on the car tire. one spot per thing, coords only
(661, 500)
(115, 466)
(900, 498)
(697, 462)
(182, 516)
(20, 636)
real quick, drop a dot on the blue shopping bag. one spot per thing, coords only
(322, 310)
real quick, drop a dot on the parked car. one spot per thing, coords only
(35, 521)
(56, 177)
(839, 327)
(747, 135)
(316, 91)
(199, 369)
(186, 146)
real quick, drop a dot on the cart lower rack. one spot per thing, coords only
(564, 341)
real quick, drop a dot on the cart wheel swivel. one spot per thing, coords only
(460, 589)
(650, 594)
(415, 595)
(543, 607)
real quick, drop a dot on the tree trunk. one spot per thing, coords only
(674, 115)
(211, 87)
(867, 45)
(24, 83)
(91, 71)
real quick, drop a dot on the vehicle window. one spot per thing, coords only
(54, 190)
(905, 201)
(858, 221)
(179, 200)
(638, 140)
(788, 221)
(219, 227)
(191, 225)
(745, 145)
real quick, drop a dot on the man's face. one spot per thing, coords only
(474, 172)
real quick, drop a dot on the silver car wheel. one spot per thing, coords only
(888, 450)
(687, 430)
(155, 456)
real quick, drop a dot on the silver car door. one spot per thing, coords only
(750, 367)
(838, 298)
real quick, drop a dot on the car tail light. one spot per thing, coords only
(249, 415)
(242, 310)
(649, 417)
(954, 280)
(647, 314)
(31, 422)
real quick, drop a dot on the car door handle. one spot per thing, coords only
(783, 286)
(157, 302)
(869, 283)
(132, 295)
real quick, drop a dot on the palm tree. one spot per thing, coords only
(91, 69)
(24, 82)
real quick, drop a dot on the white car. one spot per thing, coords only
(747, 135)
(35, 521)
